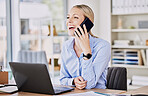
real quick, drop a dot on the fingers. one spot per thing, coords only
(81, 86)
(80, 83)
(77, 36)
(85, 30)
(81, 30)
(80, 78)
(77, 33)
(77, 80)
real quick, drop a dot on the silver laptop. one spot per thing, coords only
(34, 78)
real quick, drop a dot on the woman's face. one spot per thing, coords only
(74, 18)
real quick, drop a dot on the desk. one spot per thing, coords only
(72, 92)
(142, 90)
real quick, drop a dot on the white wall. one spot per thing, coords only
(104, 19)
(101, 10)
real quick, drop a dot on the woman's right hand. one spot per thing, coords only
(80, 83)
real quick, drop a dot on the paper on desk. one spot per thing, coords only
(1, 85)
(8, 89)
(90, 93)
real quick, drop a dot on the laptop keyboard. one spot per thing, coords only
(61, 89)
(57, 89)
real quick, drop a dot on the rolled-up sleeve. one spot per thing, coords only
(65, 77)
(92, 69)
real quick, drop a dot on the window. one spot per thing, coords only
(3, 34)
(36, 19)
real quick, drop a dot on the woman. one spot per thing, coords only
(84, 58)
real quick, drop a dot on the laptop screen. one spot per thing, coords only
(31, 77)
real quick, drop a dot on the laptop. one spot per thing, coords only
(34, 78)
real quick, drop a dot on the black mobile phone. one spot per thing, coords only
(87, 23)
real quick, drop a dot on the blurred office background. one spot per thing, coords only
(40, 25)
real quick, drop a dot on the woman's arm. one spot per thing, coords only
(93, 69)
(65, 77)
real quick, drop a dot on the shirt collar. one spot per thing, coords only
(72, 40)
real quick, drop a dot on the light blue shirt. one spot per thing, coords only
(94, 70)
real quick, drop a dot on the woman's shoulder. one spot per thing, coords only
(67, 43)
(98, 42)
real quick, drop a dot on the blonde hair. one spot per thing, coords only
(87, 13)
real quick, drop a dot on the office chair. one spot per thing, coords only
(117, 78)
(27, 56)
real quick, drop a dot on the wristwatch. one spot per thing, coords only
(88, 56)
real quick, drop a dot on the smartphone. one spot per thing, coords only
(87, 23)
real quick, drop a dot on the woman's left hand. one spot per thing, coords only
(83, 39)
